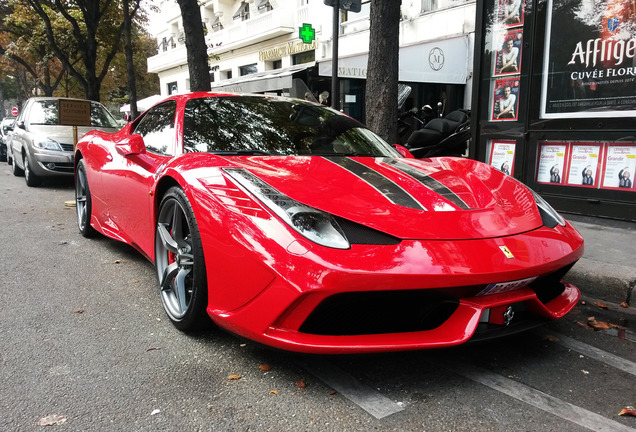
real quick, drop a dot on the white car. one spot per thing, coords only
(40, 147)
(6, 125)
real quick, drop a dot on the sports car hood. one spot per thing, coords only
(441, 198)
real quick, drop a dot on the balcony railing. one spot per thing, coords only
(265, 26)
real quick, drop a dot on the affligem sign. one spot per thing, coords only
(589, 68)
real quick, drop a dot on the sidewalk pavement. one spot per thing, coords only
(607, 270)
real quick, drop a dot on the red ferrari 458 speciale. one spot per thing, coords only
(293, 225)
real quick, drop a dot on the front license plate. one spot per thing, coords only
(501, 287)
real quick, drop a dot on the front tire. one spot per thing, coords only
(180, 263)
(15, 169)
(32, 179)
(83, 201)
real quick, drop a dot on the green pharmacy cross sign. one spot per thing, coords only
(307, 33)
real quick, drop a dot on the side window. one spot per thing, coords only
(157, 129)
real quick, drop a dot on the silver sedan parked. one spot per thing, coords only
(41, 147)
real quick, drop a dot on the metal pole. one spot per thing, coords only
(335, 87)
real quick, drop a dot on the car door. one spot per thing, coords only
(128, 179)
(20, 137)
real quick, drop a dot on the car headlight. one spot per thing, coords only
(315, 225)
(549, 216)
(47, 144)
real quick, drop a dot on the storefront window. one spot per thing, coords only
(304, 57)
(172, 88)
(248, 69)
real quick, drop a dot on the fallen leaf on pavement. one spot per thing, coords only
(627, 411)
(551, 338)
(52, 420)
(265, 367)
(601, 305)
(332, 392)
(597, 325)
(301, 383)
(78, 311)
(234, 377)
(153, 349)
(625, 304)
(274, 392)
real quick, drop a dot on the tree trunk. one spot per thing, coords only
(195, 45)
(382, 69)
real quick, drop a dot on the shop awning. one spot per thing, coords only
(261, 82)
(143, 104)
(444, 61)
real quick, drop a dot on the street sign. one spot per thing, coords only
(14, 111)
(307, 33)
(75, 113)
(348, 5)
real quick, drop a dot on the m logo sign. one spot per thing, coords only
(436, 59)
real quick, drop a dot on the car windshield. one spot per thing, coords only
(46, 112)
(246, 125)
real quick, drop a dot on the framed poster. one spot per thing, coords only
(584, 164)
(508, 58)
(505, 99)
(551, 165)
(620, 166)
(588, 64)
(502, 156)
(510, 13)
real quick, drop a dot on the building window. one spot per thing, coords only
(264, 6)
(226, 74)
(172, 88)
(248, 69)
(243, 12)
(305, 57)
(217, 25)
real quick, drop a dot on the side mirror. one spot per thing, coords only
(132, 145)
(403, 151)
(20, 124)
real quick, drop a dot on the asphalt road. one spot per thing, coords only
(83, 336)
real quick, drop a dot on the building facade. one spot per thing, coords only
(254, 47)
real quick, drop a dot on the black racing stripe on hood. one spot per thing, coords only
(389, 189)
(427, 181)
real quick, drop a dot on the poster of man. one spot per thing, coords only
(510, 13)
(508, 59)
(584, 164)
(620, 166)
(588, 64)
(505, 99)
(552, 156)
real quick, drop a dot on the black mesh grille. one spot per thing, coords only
(549, 287)
(360, 234)
(67, 147)
(379, 313)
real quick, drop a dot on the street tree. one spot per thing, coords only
(96, 28)
(382, 69)
(197, 50)
(23, 43)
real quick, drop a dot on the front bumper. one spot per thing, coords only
(441, 284)
(52, 163)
